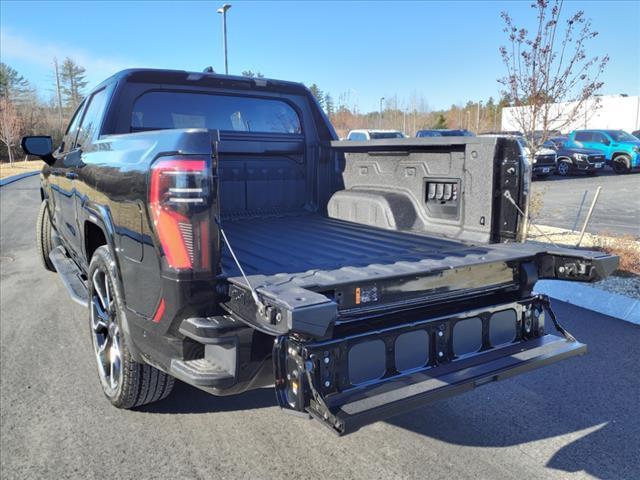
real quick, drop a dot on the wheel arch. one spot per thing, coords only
(619, 153)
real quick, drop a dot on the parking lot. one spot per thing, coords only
(617, 210)
(571, 420)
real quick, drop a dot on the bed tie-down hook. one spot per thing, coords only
(254, 294)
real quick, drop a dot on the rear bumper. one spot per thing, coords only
(406, 394)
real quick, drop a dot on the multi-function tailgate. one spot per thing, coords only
(359, 378)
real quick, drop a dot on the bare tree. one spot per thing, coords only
(10, 126)
(549, 66)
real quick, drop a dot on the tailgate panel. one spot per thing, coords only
(522, 358)
(372, 374)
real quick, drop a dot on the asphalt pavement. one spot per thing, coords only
(617, 210)
(574, 419)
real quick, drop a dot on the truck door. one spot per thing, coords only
(74, 162)
(61, 194)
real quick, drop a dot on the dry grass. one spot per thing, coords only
(17, 168)
(536, 203)
(624, 246)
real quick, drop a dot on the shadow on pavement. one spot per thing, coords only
(590, 400)
(188, 399)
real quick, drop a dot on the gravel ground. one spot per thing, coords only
(629, 286)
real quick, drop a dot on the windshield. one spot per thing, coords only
(378, 135)
(558, 141)
(428, 133)
(167, 110)
(621, 136)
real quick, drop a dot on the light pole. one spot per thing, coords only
(478, 118)
(223, 10)
(380, 119)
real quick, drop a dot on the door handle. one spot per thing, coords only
(71, 175)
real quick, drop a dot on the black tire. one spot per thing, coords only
(564, 168)
(621, 164)
(44, 236)
(134, 384)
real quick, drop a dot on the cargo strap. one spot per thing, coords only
(546, 303)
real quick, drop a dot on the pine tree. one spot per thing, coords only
(315, 90)
(250, 74)
(440, 122)
(329, 106)
(72, 79)
(13, 86)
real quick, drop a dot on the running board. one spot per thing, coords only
(70, 275)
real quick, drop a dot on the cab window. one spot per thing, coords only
(92, 118)
(70, 135)
(583, 136)
(600, 138)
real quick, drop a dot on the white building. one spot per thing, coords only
(614, 112)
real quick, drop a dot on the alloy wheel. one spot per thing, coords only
(106, 331)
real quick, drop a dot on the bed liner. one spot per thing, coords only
(297, 263)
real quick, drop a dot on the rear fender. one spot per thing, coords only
(100, 216)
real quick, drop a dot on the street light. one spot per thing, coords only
(380, 119)
(223, 10)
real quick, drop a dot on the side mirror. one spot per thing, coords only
(39, 146)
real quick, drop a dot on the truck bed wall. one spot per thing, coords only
(388, 187)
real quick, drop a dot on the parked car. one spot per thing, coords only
(443, 133)
(542, 163)
(217, 233)
(572, 159)
(636, 133)
(621, 149)
(362, 135)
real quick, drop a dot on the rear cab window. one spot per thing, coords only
(160, 110)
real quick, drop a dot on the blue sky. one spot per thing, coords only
(445, 51)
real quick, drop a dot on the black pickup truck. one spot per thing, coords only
(219, 234)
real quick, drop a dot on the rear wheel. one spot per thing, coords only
(125, 382)
(44, 236)
(621, 164)
(564, 168)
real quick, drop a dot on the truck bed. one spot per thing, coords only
(301, 242)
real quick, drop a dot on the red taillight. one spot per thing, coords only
(159, 311)
(179, 199)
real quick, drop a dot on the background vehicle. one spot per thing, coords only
(572, 159)
(359, 135)
(543, 163)
(443, 133)
(219, 235)
(621, 150)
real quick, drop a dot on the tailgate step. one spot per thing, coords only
(201, 372)
(70, 275)
(351, 414)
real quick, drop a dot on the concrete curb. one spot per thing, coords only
(15, 178)
(582, 295)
